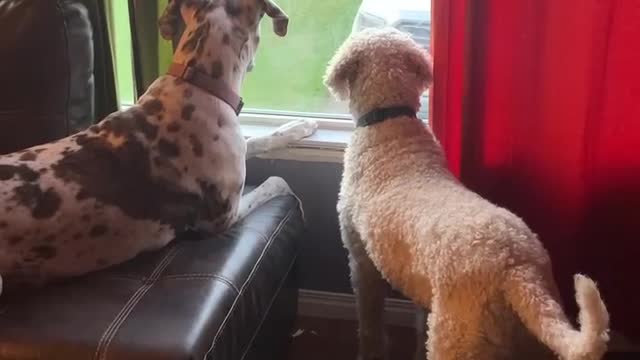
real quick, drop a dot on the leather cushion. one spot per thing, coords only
(197, 298)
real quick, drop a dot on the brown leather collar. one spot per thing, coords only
(215, 87)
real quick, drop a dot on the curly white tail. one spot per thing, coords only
(536, 301)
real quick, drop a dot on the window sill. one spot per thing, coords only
(327, 144)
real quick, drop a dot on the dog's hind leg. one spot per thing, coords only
(421, 334)
(455, 327)
(272, 187)
(370, 290)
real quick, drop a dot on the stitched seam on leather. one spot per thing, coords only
(266, 313)
(152, 280)
(201, 276)
(275, 233)
(109, 334)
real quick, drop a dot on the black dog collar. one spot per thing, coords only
(379, 115)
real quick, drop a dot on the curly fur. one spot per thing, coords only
(484, 275)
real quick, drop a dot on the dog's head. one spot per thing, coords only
(379, 67)
(206, 25)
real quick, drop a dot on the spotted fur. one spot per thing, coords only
(133, 181)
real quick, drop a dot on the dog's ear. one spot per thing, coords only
(169, 22)
(280, 19)
(342, 71)
(419, 62)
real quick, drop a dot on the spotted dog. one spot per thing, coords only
(174, 161)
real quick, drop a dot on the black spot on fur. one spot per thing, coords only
(216, 207)
(94, 129)
(43, 170)
(156, 91)
(39, 150)
(15, 240)
(121, 177)
(216, 69)
(216, 137)
(250, 15)
(153, 106)
(173, 127)
(164, 163)
(168, 149)
(235, 68)
(43, 204)
(130, 121)
(28, 156)
(240, 34)
(232, 9)
(187, 111)
(24, 172)
(98, 230)
(3, 224)
(226, 39)
(196, 145)
(44, 251)
(201, 68)
(220, 121)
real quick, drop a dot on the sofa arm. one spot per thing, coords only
(200, 297)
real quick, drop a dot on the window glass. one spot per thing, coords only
(287, 76)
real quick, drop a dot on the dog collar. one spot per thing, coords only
(215, 87)
(379, 115)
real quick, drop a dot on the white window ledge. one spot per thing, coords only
(326, 145)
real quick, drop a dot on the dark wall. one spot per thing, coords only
(323, 259)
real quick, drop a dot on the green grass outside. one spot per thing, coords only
(288, 71)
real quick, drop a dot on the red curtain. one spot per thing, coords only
(537, 105)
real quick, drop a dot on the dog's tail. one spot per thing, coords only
(536, 302)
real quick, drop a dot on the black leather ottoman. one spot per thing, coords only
(228, 297)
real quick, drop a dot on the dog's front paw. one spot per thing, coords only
(298, 129)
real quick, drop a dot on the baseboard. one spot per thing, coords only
(329, 305)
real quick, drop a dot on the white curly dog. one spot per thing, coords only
(478, 268)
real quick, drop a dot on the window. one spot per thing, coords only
(294, 65)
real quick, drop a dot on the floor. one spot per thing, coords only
(322, 339)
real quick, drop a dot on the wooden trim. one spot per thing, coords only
(329, 305)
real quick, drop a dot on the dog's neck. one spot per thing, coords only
(361, 105)
(218, 59)
(233, 78)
